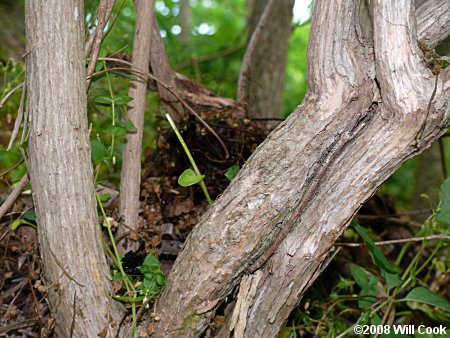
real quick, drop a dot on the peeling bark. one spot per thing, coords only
(61, 174)
(369, 108)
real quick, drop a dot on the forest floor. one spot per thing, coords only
(168, 214)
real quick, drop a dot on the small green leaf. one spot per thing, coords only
(121, 100)
(104, 197)
(160, 279)
(151, 261)
(128, 125)
(150, 285)
(392, 280)
(18, 222)
(421, 294)
(116, 130)
(98, 151)
(377, 256)
(368, 284)
(444, 212)
(105, 100)
(188, 178)
(359, 275)
(232, 172)
(30, 215)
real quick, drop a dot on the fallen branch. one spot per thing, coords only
(13, 195)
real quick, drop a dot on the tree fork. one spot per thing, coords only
(346, 81)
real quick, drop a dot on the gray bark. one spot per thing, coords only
(61, 172)
(130, 182)
(369, 108)
(261, 83)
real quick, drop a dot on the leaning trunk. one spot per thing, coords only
(371, 106)
(75, 268)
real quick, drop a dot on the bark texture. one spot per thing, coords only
(261, 83)
(370, 107)
(61, 171)
(130, 182)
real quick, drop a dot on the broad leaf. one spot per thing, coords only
(377, 256)
(421, 294)
(444, 213)
(106, 100)
(188, 178)
(232, 172)
(98, 151)
(30, 215)
(128, 125)
(122, 100)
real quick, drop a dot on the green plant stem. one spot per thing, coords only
(133, 315)
(128, 284)
(191, 159)
(113, 112)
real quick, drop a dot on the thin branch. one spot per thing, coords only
(113, 21)
(19, 119)
(12, 91)
(63, 270)
(13, 195)
(12, 168)
(397, 241)
(19, 325)
(104, 12)
(168, 88)
(212, 56)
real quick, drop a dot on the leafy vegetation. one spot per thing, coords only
(406, 285)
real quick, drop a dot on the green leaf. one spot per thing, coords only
(232, 172)
(121, 100)
(18, 222)
(160, 279)
(116, 130)
(104, 197)
(30, 215)
(105, 100)
(98, 151)
(150, 285)
(377, 256)
(444, 212)
(188, 178)
(368, 284)
(128, 125)
(392, 280)
(151, 261)
(421, 294)
(359, 275)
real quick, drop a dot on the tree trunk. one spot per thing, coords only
(266, 56)
(130, 182)
(370, 107)
(61, 173)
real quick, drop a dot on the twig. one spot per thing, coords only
(397, 241)
(64, 270)
(113, 21)
(212, 56)
(19, 119)
(170, 89)
(13, 195)
(12, 91)
(104, 12)
(19, 325)
(72, 325)
(12, 168)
